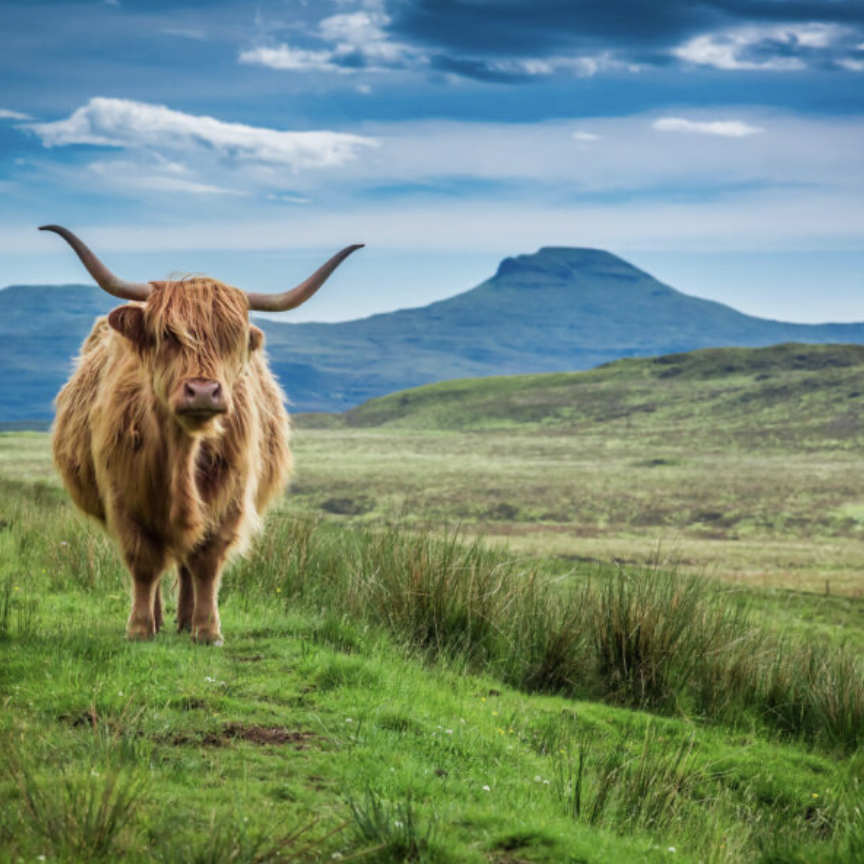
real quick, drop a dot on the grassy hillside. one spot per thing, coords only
(784, 395)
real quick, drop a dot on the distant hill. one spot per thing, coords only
(790, 395)
(558, 309)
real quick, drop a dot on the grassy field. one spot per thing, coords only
(741, 465)
(391, 691)
(397, 696)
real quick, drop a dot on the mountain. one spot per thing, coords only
(557, 309)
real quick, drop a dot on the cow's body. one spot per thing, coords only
(172, 432)
(167, 494)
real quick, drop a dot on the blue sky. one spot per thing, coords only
(719, 145)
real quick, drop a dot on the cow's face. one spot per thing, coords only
(194, 340)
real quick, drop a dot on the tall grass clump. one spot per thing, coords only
(395, 831)
(813, 691)
(79, 818)
(655, 630)
(435, 592)
(628, 782)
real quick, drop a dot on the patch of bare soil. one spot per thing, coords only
(261, 735)
(273, 735)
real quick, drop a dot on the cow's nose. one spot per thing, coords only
(202, 395)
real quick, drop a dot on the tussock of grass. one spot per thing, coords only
(395, 831)
(623, 786)
(82, 819)
(655, 630)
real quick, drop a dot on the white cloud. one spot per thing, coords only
(585, 140)
(583, 67)
(288, 59)
(723, 128)
(356, 41)
(137, 125)
(6, 114)
(733, 49)
(290, 199)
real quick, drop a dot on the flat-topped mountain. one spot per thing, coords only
(558, 309)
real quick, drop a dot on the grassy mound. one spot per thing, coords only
(786, 392)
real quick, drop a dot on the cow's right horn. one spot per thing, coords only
(293, 298)
(105, 279)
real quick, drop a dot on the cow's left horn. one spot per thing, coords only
(105, 279)
(296, 296)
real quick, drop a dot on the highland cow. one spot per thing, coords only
(172, 433)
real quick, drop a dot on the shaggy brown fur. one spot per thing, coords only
(173, 488)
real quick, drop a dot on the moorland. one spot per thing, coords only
(607, 616)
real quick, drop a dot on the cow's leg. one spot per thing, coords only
(205, 564)
(142, 623)
(146, 559)
(205, 619)
(185, 599)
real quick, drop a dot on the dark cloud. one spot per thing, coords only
(543, 26)
(480, 70)
(632, 28)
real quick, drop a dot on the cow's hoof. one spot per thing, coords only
(204, 636)
(139, 634)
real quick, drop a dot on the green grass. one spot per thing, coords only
(800, 394)
(409, 697)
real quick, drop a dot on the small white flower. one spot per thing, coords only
(209, 679)
(671, 849)
(486, 789)
(538, 779)
(62, 543)
(336, 856)
(119, 692)
(545, 782)
(449, 731)
(398, 824)
(349, 719)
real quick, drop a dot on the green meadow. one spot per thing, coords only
(606, 617)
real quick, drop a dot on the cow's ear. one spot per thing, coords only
(128, 321)
(256, 339)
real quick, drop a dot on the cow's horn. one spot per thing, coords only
(105, 279)
(296, 296)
